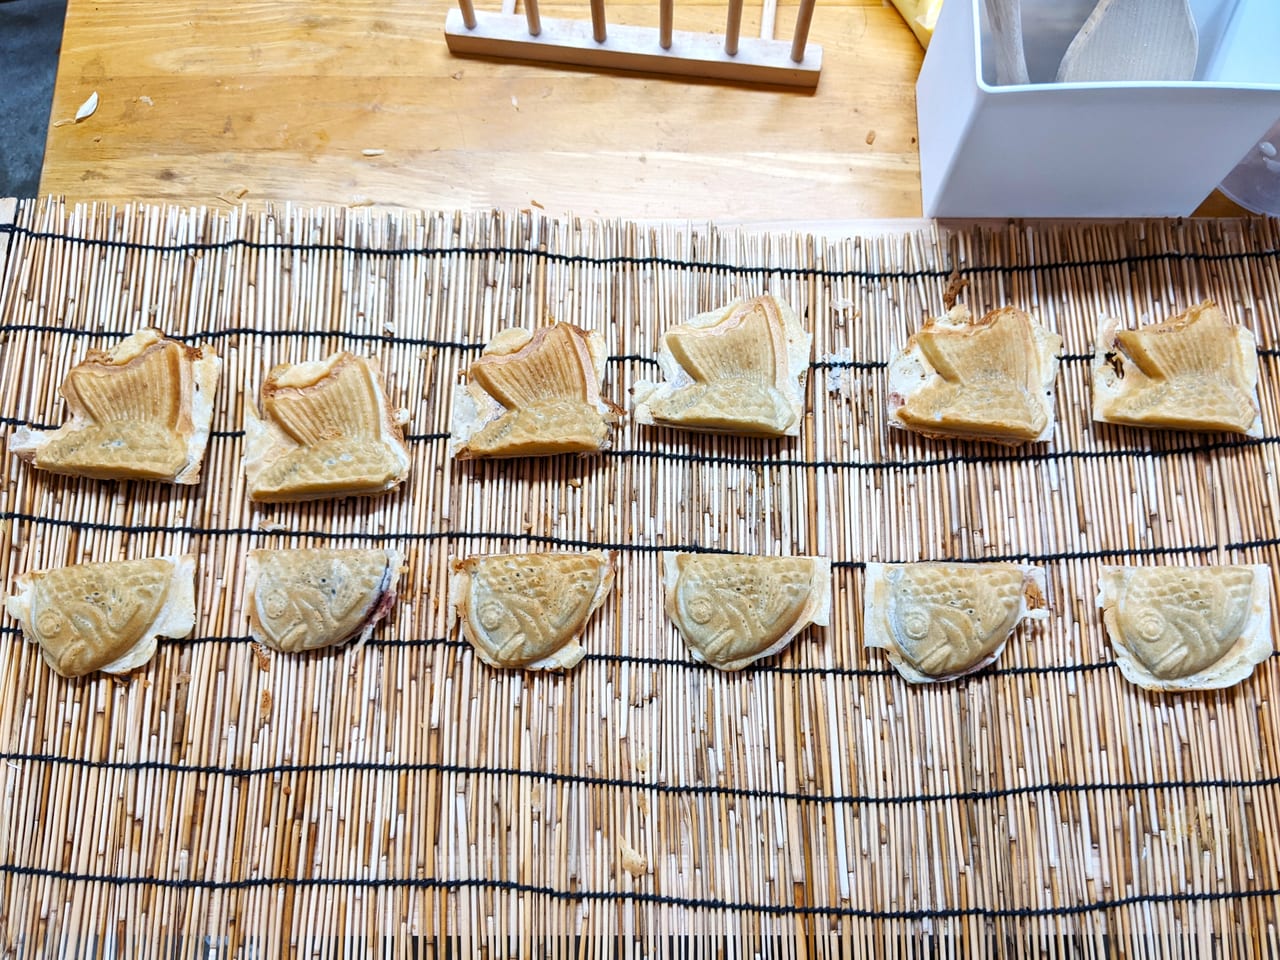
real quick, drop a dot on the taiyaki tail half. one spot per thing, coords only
(739, 370)
(309, 599)
(1195, 372)
(534, 394)
(1187, 628)
(326, 432)
(990, 379)
(140, 411)
(105, 616)
(529, 611)
(733, 610)
(938, 621)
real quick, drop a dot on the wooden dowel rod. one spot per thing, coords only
(733, 27)
(768, 16)
(597, 21)
(531, 15)
(804, 17)
(468, 13)
(666, 19)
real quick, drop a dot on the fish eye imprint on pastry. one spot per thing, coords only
(534, 394)
(733, 609)
(1197, 371)
(939, 621)
(308, 599)
(139, 411)
(105, 616)
(1187, 628)
(989, 379)
(326, 431)
(529, 610)
(740, 369)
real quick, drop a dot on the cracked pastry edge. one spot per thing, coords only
(206, 370)
(675, 377)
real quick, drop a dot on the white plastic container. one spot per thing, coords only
(1046, 149)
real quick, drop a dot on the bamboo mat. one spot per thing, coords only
(405, 798)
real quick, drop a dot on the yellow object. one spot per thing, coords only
(921, 16)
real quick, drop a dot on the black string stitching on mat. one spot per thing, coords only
(575, 896)
(665, 789)
(548, 256)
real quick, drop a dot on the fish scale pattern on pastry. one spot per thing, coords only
(939, 621)
(528, 610)
(326, 431)
(140, 411)
(987, 379)
(1197, 371)
(309, 599)
(740, 369)
(105, 616)
(1187, 628)
(732, 609)
(534, 394)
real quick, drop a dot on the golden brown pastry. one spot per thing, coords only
(326, 431)
(939, 621)
(139, 411)
(534, 395)
(1197, 371)
(740, 369)
(733, 610)
(529, 610)
(105, 616)
(307, 599)
(988, 379)
(1187, 628)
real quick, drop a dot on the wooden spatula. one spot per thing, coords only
(1133, 40)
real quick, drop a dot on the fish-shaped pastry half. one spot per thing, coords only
(989, 379)
(939, 621)
(139, 411)
(1197, 371)
(105, 616)
(740, 369)
(733, 610)
(1187, 628)
(534, 394)
(326, 431)
(529, 610)
(308, 599)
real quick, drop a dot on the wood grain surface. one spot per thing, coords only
(362, 103)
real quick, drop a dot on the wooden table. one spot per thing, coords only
(357, 103)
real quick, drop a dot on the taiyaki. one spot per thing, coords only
(1187, 628)
(139, 411)
(733, 610)
(529, 610)
(105, 616)
(1194, 372)
(988, 379)
(534, 394)
(740, 369)
(326, 430)
(939, 621)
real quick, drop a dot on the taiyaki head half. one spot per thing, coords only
(534, 395)
(139, 411)
(739, 369)
(940, 621)
(105, 616)
(1197, 371)
(733, 610)
(307, 599)
(1187, 628)
(326, 431)
(988, 379)
(529, 610)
